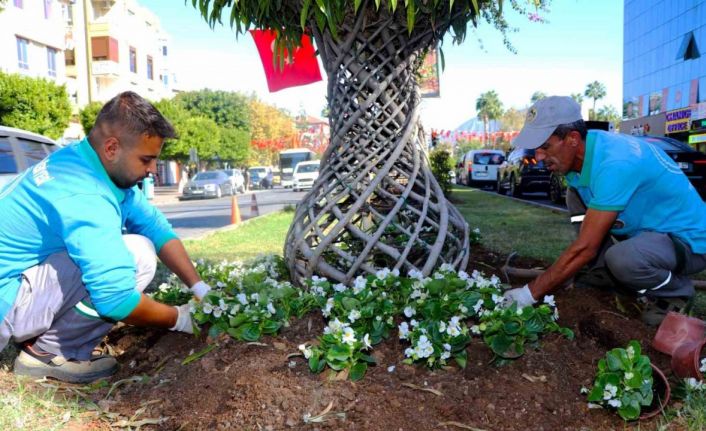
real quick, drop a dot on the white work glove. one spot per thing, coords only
(183, 323)
(521, 295)
(200, 289)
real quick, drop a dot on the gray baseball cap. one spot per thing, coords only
(543, 118)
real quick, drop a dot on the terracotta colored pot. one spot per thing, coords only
(677, 329)
(662, 393)
(686, 360)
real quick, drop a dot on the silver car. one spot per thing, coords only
(206, 184)
(19, 150)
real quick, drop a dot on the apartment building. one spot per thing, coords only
(32, 39)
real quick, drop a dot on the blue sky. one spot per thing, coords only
(581, 41)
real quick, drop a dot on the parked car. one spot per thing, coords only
(237, 180)
(480, 167)
(208, 184)
(304, 175)
(521, 173)
(261, 177)
(19, 150)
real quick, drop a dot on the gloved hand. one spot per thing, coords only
(200, 289)
(183, 323)
(521, 295)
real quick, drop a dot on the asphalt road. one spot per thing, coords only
(194, 218)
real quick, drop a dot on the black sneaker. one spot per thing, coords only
(36, 363)
(597, 278)
(657, 308)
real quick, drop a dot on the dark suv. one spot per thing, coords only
(522, 172)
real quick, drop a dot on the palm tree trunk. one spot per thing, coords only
(376, 202)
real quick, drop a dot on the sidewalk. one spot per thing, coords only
(165, 195)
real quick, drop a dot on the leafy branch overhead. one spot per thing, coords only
(290, 19)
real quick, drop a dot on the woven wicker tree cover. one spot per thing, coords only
(376, 203)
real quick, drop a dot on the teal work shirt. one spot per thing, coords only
(644, 185)
(68, 203)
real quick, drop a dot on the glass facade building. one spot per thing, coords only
(664, 67)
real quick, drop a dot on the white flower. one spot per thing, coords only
(217, 311)
(476, 230)
(207, 308)
(463, 275)
(318, 290)
(395, 272)
(497, 299)
(445, 355)
(255, 297)
(414, 323)
(629, 375)
(447, 346)
(222, 304)
(702, 368)
(359, 284)
(339, 287)
(348, 335)
(234, 309)
(378, 318)
(631, 352)
(354, 315)
(271, 308)
(475, 329)
(220, 284)
(615, 403)
(478, 306)
(609, 391)
(442, 326)
(366, 341)
(555, 316)
(404, 330)
(462, 308)
(584, 390)
(549, 300)
(242, 298)
(438, 275)
(305, 350)
(453, 331)
(692, 383)
(494, 280)
(447, 267)
(408, 352)
(391, 368)
(409, 311)
(163, 287)
(382, 273)
(424, 347)
(416, 274)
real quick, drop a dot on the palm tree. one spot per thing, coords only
(489, 107)
(537, 95)
(578, 97)
(594, 90)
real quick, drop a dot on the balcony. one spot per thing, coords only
(105, 68)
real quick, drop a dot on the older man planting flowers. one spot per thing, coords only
(639, 215)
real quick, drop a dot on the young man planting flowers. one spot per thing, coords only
(78, 243)
(632, 191)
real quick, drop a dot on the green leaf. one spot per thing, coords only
(461, 358)
(442, 59)
(350, 303)
(338, 353)
(393, 5)
(629, 411)
(304, 14)
(238, 320)
(512, 327)
(410, 17)
(476, 10)
(314, 362)
(356, 5)
(198, 355)
(613, 360)
(358, 371)
(367, 358)
(250, 332)
(271, 327)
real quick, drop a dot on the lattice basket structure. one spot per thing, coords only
(376, 202)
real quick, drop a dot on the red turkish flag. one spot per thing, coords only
(301, 70)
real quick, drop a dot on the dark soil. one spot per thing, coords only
(259, 386)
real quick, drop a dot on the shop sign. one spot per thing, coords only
(677, 120)
(697, 139)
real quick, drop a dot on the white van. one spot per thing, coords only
(20, 149)
(480, 167)
(304, 175)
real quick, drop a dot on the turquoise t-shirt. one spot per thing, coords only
(68, 203)
(644, 185)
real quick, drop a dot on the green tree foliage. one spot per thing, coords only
(235, 146)
(441, 165)
(578, 97)
(489, 107)
(537, 95)
(225, 108)
(291, 18)
(34, 104)
(594, 90)
(88, 115)
(204, 135)
(610, 114)
(512, 120)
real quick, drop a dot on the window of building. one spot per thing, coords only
(18, 3)
(47, 9)
(51, 61)
(70, 57)
(22, 59)
(150, 71)
(164, 50)
(104, 48)
(165, 80)
(133, 60)
(688, 49)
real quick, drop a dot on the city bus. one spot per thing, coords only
(288, 159)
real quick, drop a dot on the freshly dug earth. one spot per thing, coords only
(259, 386)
